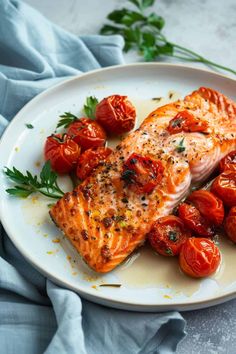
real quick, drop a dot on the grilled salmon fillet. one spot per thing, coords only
(105, 219)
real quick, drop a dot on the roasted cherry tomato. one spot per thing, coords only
(142, 173)
(199, 257)
(224, 187)
(230, 224)
(87, 133)
(116, 114)
(210, 207)
(228, 162)
(194, 220)
(62, 152)
(167, 235)
(90, 159)
(187, 122)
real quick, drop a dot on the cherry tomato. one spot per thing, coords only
(167, 235)
(224, 187)
(230, 224)
(116, 114)
(187, 122)
(199, 257)
(142, 173)
(194, 220)
(87, 133)
(62, 152)
(90, 159)
(210, 207)
(228, 162)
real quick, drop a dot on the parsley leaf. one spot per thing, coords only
(27, 183)
(125, 17)
(180, 147)
(108, 29)
(136, 3)
(172, 235)
(90, 106)
(169, 251)
(66, 119)
(156, 21)
(147, 3)
(89, 109)
(29, 126)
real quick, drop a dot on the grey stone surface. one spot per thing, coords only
(207, 27)
(210, 331)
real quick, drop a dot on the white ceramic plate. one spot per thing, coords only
(149, 283)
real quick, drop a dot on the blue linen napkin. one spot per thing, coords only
(37, 316)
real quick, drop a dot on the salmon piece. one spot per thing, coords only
(105, 220)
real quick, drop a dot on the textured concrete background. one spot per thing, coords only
(207, 27)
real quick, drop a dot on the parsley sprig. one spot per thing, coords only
(89, 109)
(66, 119)
(45, 183)
(143, 32)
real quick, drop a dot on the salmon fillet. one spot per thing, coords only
(105, 220)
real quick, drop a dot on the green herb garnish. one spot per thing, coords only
(29, 126)
(112, 285)
(143, 31)
(89, 109)
(122, 223)
(172, 236)
(180, 147)
(45, 183)
(176, 123)
(90, 106)
(66, 119)
(169, 252)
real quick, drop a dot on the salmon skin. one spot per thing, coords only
(105, 220)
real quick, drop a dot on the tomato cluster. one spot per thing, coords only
(82, 147)
(189, 234)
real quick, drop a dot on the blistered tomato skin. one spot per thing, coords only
(192, 219)
(87, 133)
(142, 173)
(228, 162)
(167, 235)
(90, 159)
(199, 257)
(116, 114)
(230, 224)
(185, 121)
(210, 207)
(224, 187)
(62, 152)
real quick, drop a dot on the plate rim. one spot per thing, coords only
(103, 297)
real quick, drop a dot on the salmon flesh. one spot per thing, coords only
(105, 220)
